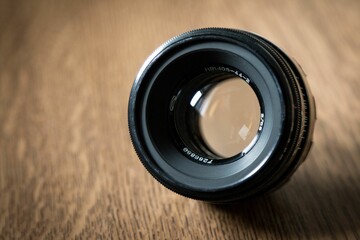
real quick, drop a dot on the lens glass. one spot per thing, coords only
(228, 116)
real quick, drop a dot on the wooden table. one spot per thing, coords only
(67, 167)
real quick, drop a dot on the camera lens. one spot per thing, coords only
(221, 115)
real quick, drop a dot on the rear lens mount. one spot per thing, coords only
(221, 115)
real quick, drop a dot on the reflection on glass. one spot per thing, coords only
(229, 116)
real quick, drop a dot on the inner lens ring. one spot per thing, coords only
(187, 119)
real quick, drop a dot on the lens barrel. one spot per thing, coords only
(169, 101)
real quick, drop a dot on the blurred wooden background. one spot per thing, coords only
(67, 168)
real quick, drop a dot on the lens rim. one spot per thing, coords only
(243, 183)
(186, 117)
(170, 158)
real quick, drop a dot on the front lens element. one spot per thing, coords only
(228, 116)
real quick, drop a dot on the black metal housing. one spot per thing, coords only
(164, 141)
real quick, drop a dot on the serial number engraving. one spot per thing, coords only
(197, 157)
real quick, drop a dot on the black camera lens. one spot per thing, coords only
(221, 115)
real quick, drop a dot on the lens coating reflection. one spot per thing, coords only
(229, 116)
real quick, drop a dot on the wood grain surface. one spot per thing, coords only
(67, 167)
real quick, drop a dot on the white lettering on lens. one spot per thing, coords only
(261, 125)
(226, 69)
(197, 157)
